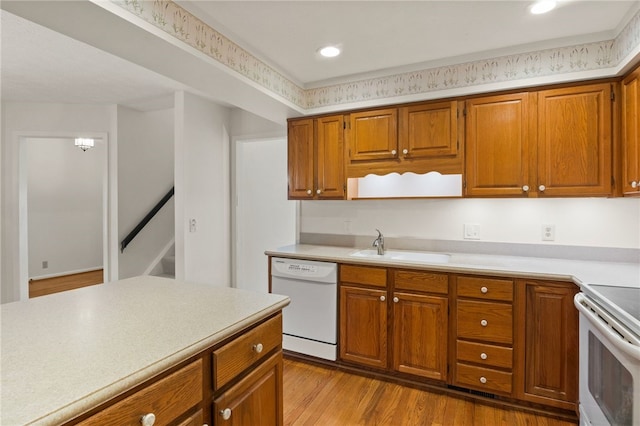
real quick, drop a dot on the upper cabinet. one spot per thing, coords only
(631, 134)
(415, 138)
(549, 143)
(574, 141)
(316, 158)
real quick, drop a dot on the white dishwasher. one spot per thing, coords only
(309, 321)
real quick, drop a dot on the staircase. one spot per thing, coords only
(165, 266)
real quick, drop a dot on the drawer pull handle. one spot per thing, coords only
(634, 184)
(396, 300)
(484, 290)
(483, 355)
(258, 348)
(484, 323)
(382, 298)
(394, 152)
(483, 380)
(541, 188)
(308, 192)
(226, 413)
(148, 419)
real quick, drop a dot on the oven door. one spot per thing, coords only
(609, 368)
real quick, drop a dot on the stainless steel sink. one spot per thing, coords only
(409, 256)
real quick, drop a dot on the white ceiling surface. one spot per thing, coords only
(378, 37)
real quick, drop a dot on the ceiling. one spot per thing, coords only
(377, 37)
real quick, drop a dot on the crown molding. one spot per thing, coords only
(572, 63)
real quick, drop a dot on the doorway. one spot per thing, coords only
(63, 221)
(264, 217)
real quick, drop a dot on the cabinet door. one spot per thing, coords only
(429, 130)
(497, 151)
(551, 344)
(300, 159)
(420, 335)
(254, 400)
(363, 326)
(373, 135)
(574, 141)
(631, 133)
(330, 157)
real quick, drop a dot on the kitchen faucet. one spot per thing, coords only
(379, 243)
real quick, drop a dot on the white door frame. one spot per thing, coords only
(109, 204)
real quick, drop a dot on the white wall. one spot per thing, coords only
(33, 119)
(145, 175)
(202, 181)
(64, 204)
(594, 222)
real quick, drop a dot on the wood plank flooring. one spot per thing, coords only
(65, 282)
(315, 395)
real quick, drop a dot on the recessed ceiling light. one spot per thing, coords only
(542, 6)
(329, 51)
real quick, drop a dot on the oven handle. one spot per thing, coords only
(593, 312)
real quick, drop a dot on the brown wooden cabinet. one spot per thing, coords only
(373, 135)
(562, 147)
(574, 141)
(548, 357)
(482, 356)
(631, 133)
(316, 158)
(498, 145)
(413, 308)
(254, 400)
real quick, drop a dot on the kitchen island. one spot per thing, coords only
(69, 355)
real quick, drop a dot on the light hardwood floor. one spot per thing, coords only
(314, 395)
(65, 282)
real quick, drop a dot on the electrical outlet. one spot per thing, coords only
(192, 225)
(471, 231)
(45, 264)
(548, 232)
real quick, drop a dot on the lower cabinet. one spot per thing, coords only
(254, 400)
(237, 383)
(396, 322)
(513, 338)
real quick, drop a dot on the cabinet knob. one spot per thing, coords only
(148, 419)
(484, 290)
(258, 348)
(308, 192)
(226, 413)
(319, 191)
(483, 356)
(542, 188)
(396, 300)
(634, 184)
(394, 152)
(405, 151)
(382, 298)
(484, 323)
(525, 188)
(483, 380)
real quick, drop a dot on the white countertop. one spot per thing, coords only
(65, 353)
(578, 271)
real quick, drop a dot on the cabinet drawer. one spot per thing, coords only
(421, 281)
(167, 399)
(481, 353)
(485, 288)
(484, 379)
(376, 277)
(236, 356)
(486, 321)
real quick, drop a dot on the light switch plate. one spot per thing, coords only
(471, 231)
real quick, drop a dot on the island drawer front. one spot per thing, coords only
(365, 275)
(484, 379)
(492, 322)
(483, 354)
(167, 399)
(421, 281)
(238, 355)
(485, 288)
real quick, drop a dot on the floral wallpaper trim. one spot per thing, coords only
(179, 23)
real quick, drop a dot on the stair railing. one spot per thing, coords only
(146, 219)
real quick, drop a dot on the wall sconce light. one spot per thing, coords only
(84, 143)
